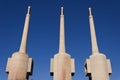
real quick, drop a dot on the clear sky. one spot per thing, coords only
(43, 36)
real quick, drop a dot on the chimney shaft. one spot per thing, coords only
(62, 34)
(25, 32)
(93, 34)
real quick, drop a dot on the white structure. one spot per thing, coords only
(62, 66)
(97, 67)
(19, 67)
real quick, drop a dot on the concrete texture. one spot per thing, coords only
(19, 67)
(62, 65)
(97, 67)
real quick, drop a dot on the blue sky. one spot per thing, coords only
(43, 36)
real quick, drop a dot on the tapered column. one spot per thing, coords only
(62, 33)
(97, 67)
(19, 66)
(62, 65)
(93, 34)
(25, 32)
